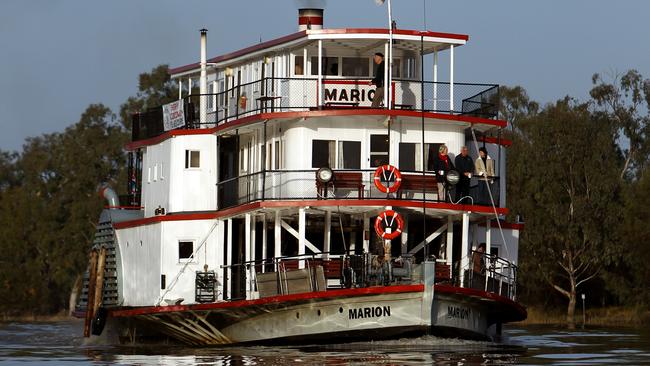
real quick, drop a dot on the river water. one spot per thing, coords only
(61, 343)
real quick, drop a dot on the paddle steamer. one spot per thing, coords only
(274, 204)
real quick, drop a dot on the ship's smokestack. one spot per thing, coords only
(203, 81)
(310, 19)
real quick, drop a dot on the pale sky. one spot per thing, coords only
(59, 56)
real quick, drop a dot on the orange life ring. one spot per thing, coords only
(380, 173)
(389, 217)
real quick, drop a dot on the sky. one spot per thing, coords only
(59, 56)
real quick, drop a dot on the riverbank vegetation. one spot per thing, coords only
(578, 175)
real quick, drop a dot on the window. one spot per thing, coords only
(397, 63)
(192, 159)
(298, 65)
(356, 66)
(409, 68)
(278, 154)
(185, 250)
(322, 153)
(378, 150)
(409, 156)
(349, 155)
(221, 93)
(210, 97)
(430, 152)
(330, 66)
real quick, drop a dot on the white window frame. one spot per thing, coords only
(188, 159)
(191, 259)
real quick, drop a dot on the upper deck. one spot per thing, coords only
(316, 71)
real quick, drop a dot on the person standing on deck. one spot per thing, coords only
(485, 171)
(378, 80)
(441, 165)
(465, 167)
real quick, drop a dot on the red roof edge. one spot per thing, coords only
(298, 35)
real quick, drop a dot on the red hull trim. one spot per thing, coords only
(271, 300)
(314, 203)
(307, 114)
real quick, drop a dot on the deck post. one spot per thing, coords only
(366, 233)
(229, 272)
(451, 78)
(253, 247)
(488, 235)
(387, 85)
(450, 241)
(327, 234)
(435, 80)
(264, 242)
(464, 252)
(277, 238)
(247, 251)
(301, 235)
(219, 260)
(320, 72)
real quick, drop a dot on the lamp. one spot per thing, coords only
(453, 177)
(324, 175)
(228, 71)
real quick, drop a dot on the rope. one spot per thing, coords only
(178, 275)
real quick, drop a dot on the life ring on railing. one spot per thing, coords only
(389, 217)
(392, 171)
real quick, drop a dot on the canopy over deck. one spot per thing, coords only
(364, 40)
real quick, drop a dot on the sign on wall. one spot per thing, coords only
(173, 115)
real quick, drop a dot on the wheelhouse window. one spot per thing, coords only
(298, 65)
(330, 66)
(356, 66)
(409, 156)
(185, 250)
(221, 93)
(192, 159)
(322, 153)
(378, 150)
(349, 155)
(397, 67)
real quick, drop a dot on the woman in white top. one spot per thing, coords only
(484, 170)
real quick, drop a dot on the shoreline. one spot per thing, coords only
(607, 316)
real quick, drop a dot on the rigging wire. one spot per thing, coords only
(494, 208)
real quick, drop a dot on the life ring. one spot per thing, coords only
(389, 217)
(392, 171)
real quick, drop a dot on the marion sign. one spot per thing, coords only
(173, 115)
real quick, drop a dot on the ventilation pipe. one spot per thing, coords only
(110, 196)
(203, 82)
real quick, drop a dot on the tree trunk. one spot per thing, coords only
(571, 309)
(74, 294)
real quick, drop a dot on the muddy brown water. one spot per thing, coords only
(60, 343)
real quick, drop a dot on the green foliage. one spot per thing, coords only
(154, 89)
(49, 203)
(52, 209)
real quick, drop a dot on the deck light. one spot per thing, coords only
(324, 175)
(453, 177)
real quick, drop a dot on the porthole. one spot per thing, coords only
(318, 312)
(297, 315)
(341, 310)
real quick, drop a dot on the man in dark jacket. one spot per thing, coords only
(378, 81)
(465, 166)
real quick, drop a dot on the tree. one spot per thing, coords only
(515, 105)
(154, 89)
(626, 100)
(567, 194)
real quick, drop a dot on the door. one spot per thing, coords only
(247, 180)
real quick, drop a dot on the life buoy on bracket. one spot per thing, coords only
(386, 220)
(387, 172)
